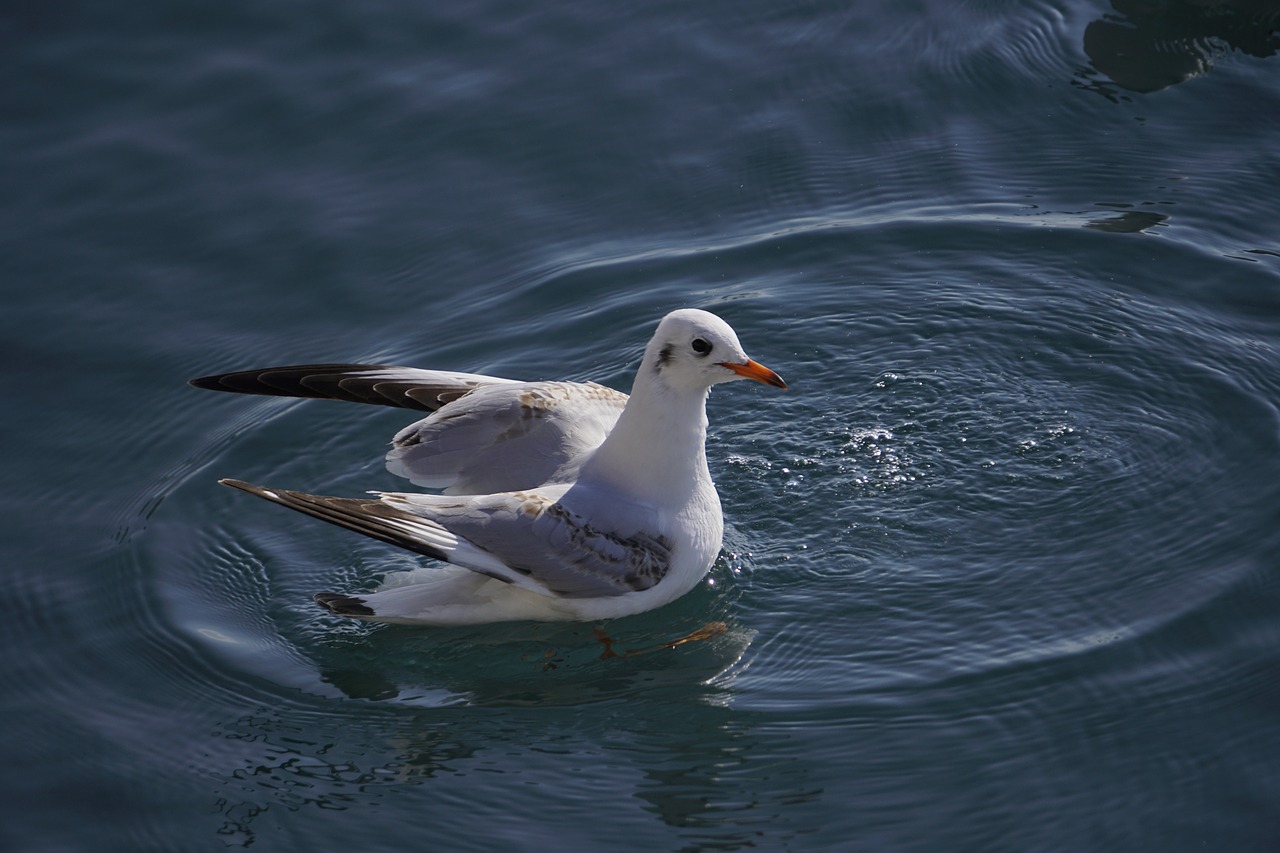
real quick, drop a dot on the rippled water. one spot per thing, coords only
(999, 570)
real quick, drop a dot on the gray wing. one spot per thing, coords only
(485, 434)
(503, 438)
(530, 540)
(537, 536)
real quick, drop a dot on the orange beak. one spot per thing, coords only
(757, 371)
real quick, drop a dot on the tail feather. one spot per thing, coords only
(369, 516)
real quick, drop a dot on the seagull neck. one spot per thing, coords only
(658, 445)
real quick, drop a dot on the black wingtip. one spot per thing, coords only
(378, 384)
(368, 516)
(343, 605)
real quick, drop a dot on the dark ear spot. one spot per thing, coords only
(664, 356)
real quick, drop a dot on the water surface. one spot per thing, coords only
(999, 570)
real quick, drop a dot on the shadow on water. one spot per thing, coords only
(1149, 45)
(1126, 222)
(704, 774)
(499, 712)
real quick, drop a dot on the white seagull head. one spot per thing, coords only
(693, 350)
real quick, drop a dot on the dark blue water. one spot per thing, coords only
(1000, 571)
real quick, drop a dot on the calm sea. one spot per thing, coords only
(1001, 571)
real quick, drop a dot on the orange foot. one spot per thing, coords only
(606, 641)
(706, 632)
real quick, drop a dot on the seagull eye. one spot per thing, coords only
(700, 346)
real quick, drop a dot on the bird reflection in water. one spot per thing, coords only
(1149, 45)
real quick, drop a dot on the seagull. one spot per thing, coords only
(554, 501)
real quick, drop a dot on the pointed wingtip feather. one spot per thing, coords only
(368, 516)
(246, 487)
(378, 384)
(209, 383)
